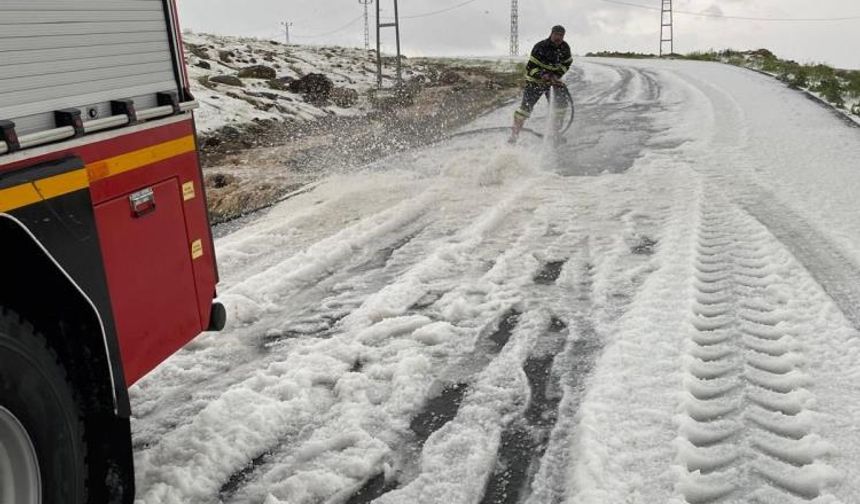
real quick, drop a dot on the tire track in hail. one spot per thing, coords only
(647, 89)
(617, 88)
(477, 231)
(745, 432)
(532, 458)
(570, 367)
(620, 278)
(443, 405)
(524, 441)
(492, 233)
(832, 269)
(341, 297)
(455, 384)
(314, 311)
(556, 367)
(536, 416)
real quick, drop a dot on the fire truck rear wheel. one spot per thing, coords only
(42, 447)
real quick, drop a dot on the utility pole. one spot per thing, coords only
(667, 29)
(379, 26)
(366, 4)
(515, 29)
(286, 25)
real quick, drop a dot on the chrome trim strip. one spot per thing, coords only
(152, 113)
(53, 135)
(43, 137)
(105, 123)
(189, 105)
(91, 139)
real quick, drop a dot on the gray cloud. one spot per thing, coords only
(714, 10)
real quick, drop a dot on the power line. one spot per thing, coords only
(441, 11)
(342, 28)
(415, 16)
(741, 18)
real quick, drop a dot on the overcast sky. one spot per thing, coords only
(482, 27)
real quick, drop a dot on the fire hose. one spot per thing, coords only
(564, 90)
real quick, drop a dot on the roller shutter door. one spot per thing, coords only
(57, 54)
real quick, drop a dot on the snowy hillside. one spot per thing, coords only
(666, 309)
(240, 80)
(264, 94)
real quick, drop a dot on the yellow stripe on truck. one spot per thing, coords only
(58, 185)
(18, 196)
(137, 159)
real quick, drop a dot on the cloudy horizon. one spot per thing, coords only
(793, 29)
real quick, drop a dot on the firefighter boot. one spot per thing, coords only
(515, 130)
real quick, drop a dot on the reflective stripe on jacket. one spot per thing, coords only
(548, 57)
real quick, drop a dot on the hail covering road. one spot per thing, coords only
(663, 310)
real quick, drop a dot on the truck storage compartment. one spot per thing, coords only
(60, 54)
(148, 260)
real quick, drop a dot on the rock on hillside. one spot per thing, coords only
(242, 80)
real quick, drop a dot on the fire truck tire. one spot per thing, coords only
(39, 415)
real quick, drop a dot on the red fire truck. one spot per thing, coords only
(106, 258)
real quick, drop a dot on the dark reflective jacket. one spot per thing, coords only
(548, 57)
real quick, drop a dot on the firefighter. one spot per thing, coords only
(550, 60)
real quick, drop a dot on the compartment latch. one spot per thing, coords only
(142, 202)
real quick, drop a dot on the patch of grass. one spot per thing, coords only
(520, 68)
(771, 65)
(702, 56)
(831, 89)
(794, 74)
(852, 81)
(821, 72)
(514, 77)
(736, 60)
